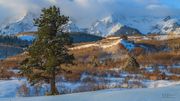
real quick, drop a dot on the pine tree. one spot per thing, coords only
(50, 49)
(131, 65)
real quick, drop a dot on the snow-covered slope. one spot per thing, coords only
(127, 44)
(158, 94)
(131, 45)
(9, 88)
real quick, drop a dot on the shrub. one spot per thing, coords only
(5, 73)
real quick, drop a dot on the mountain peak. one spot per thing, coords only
(23, 24)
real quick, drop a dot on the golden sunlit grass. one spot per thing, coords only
(164, 58)
(14, 61)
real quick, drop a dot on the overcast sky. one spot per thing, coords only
(86, 11)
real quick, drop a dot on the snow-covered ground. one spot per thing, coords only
(161, 83)
(8, 88)
(88, 82)
(11, 88)
(149, 94)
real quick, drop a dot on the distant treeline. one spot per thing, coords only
(79, 37)
(76, 38)
(13, 40)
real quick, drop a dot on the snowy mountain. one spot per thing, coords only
(71, 27)
(109, 25)
(24, 24)
(115, 24)
(167, 25)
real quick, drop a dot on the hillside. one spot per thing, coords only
(99, 65)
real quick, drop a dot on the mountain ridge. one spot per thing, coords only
(109, 25)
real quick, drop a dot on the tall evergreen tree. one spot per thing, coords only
(50, 50)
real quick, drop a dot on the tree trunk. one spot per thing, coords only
(54, 90)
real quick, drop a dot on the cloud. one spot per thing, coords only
(84, 12)
(87, 11)
(15, 9)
